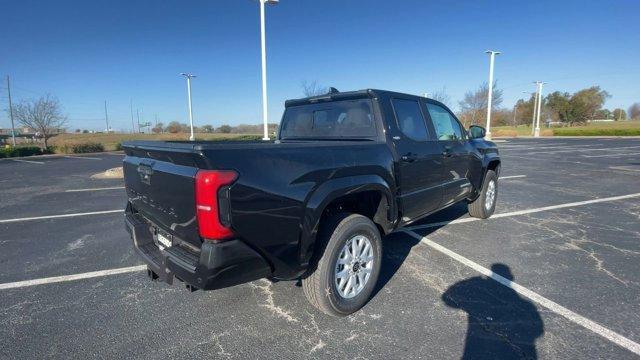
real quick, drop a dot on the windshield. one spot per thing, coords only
(329, 120)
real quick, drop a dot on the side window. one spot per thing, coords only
(447, 128)
(410, 120)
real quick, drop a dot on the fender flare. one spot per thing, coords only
(330, 190)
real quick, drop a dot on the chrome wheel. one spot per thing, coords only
(491, 195)
(353, 268)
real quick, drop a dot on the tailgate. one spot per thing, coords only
(160, 186)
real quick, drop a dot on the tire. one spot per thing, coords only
(321, 284)
(484, 206)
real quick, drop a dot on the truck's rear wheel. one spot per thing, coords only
(484, 206)
(347, 268)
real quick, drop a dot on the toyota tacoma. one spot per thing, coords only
(346, 169)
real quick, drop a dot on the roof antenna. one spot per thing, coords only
(333, 90)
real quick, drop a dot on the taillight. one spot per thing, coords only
(208, 207)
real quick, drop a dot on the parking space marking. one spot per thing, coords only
(96, 189)
(57, 279)
(81, 157)
(599, 149)
(533, 296)
(512, 177)
(60, 216)
(527, 211)
(623, 168)
(29, 161)
(609, 155)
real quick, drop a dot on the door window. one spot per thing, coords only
(409, 119)
(447, 127)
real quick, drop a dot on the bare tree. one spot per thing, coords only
(43, 115)
(634, 111)
(473, 108)
(442, 96)
(312, 88)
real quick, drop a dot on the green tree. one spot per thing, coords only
(579, 107)
(207, 128)
(225, 129)
(604, 114)
(619, 114)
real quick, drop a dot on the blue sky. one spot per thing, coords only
(86, 52)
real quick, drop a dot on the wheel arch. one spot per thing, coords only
(368, 195)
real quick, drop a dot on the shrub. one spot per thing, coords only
(118, 147)
(595, 132)
(88, 147)
(21, 151)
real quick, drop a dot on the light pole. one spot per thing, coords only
(536, 132)
(535, 108)
(189, 76)
(492, 57)
(264, 66)
(106, 115)
(13, 128)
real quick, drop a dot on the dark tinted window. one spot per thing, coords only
(447, 127)
(336, 119)
(410, 120)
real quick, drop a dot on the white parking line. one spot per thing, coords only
(81, 157)
(574, 150)
(512, 177)
(29, 161)
(623, 168)
(96, 189)
(535, 297)
(57, 279)
(527, 211)
(60, 216)
(609, 155)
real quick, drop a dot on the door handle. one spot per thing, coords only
(447, 151)
(409, 157)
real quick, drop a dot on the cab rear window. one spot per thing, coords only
(336, 119)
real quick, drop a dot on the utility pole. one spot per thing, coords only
(106, 115)
(138, 115)
(133, 128)
(515, 111)
(13, 129)
(493, 57)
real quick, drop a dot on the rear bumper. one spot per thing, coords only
(218, 265)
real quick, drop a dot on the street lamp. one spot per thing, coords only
(189, 77)
(493, 57)
(536, 132)
(264, 66)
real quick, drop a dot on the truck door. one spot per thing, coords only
(420, 166)
(456, 153)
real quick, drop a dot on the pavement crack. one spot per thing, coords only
(270, 302)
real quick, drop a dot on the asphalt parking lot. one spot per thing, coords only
(564, 248)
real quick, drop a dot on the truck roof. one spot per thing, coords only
(343, 95)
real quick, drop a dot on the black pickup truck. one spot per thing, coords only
(346, 168)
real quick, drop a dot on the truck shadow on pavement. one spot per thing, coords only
(500, 323)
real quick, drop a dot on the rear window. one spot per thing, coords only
(336, 119)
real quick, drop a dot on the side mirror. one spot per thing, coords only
(477, 132)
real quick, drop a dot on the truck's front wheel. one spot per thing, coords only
(347, 268)
(484, 206)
